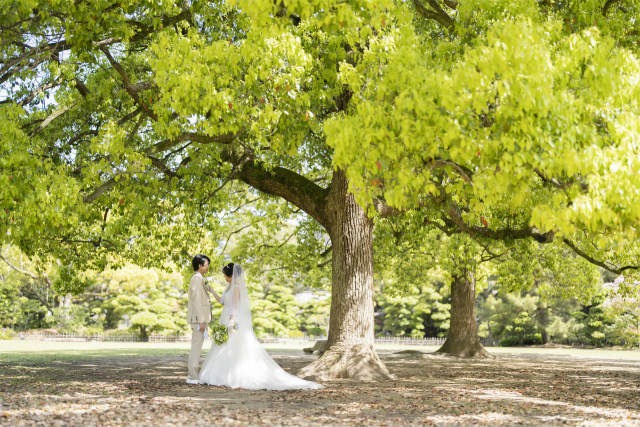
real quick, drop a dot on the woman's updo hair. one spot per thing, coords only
(228, 270)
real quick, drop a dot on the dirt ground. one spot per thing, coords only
(428, 390)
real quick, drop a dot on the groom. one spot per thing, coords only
(198, 314)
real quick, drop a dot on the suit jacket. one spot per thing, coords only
(199, 308)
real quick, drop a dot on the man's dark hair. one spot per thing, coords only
(228, 270)
(199, 260)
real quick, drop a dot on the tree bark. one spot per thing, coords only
(462, 339)
(542, 314)
(350, 352)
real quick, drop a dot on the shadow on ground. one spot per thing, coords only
(428, 390)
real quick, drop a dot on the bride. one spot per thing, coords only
(241, 362)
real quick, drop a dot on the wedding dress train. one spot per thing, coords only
(241, 362)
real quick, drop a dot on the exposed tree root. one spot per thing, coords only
(358, 362)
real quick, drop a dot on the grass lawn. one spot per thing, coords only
(46, 383)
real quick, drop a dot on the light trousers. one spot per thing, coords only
(197, 338)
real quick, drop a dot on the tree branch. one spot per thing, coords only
(453, 4)
(194, 137)
(454, 220)
(436, 13)
(282, 243)
(231, 234)
(612, 269)
(128, 86)
(22, 271)
(464, 172)
(384, 210)
(27, 99)
(287, 184)
(607, 6)
(51, 118)
(102, 189)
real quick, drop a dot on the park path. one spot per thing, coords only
(138, 390)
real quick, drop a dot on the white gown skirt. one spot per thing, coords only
(241, 362)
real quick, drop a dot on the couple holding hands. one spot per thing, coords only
(240, 362)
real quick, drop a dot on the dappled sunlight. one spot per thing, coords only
(486, 418)
(427, 390)
(493, 394)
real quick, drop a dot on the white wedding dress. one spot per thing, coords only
(241, 362)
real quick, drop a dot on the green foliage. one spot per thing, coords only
(7, 334)
(510, 320)
(26, 297)
(118, 143)
(9, 309)
(314, 316)
(502, 115)
(516, 120)
(151, 301)
(413, 291)
(593, 322)
(522, 331)
(140, 169)
(274, 309)
(405, 315)
(68, 280)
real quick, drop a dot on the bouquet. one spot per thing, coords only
(219, 334)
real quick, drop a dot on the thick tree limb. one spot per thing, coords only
(82, 88)
(43, 51)
(102, 189)
(436, 13)
(143, 30)
(464, 172)
(129, 116)
(453, 4)
(287, 184)
(41, 89)
(607, 6)
(160, 165)
(456, 223)
(384, 210)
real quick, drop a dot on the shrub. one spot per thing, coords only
(7, 334)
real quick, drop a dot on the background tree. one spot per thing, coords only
(27, 294)
(149, 300)
(623, 313)
(412, 295)
(503, 122)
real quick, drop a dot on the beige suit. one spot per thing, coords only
(199, 311)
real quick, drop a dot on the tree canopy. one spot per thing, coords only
(124, 123)
(523, 122)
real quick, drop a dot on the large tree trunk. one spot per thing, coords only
(462, 339)
(350, 352)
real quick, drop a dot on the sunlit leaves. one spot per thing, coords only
(525, 101)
